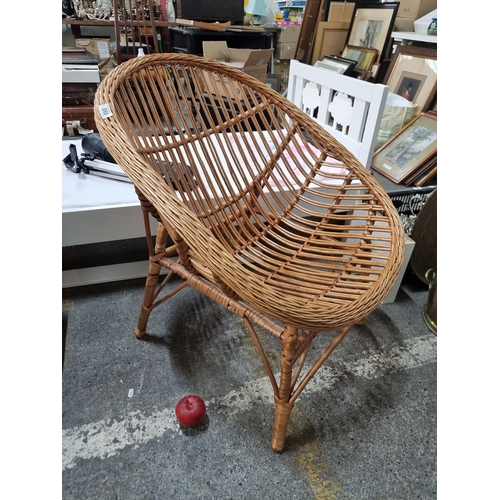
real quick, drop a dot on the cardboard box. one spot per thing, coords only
(416, 8)
(281, 67)
(97, 46)
(404, 24)
(289, 34)
(251, 61)
(286, 50)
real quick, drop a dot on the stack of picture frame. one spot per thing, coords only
(371, 27)
(370, 23)
(360, 31)
(410, 157)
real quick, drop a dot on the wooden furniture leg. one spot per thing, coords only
(283, 406)
(150, 292)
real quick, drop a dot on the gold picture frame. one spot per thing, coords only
(364, 57)
(409, 150)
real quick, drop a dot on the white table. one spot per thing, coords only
(95, 210)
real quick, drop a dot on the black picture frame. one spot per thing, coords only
(372, 25)
(274, 82)
(339, 65)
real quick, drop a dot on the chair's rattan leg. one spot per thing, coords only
(282, 413)
(283, 408)
(151, 282)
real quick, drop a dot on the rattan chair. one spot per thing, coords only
(265, 212)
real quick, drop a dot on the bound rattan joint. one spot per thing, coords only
(269, 216)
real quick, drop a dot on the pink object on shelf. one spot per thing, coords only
(163, 5)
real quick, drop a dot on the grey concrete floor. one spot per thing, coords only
(364, 428)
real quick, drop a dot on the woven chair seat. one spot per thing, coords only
(265, 212)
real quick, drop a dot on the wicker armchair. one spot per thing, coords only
(265, 212)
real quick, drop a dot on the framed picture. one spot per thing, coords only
(336, 64)
(365, 58)
(330, 39)
(412, 74)
(372, 25)
(361, 74)
(274, 81)
(374, 70)
(423, 174)
(339, 11)
(410, 149)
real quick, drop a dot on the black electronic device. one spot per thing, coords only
(92, 165)
(213, 11)
(96, 160)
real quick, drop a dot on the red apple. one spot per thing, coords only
(190, 410)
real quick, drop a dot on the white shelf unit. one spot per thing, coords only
(412, 36)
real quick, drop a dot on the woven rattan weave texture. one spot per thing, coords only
(268, 214)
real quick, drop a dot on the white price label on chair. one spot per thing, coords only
(105, 110)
